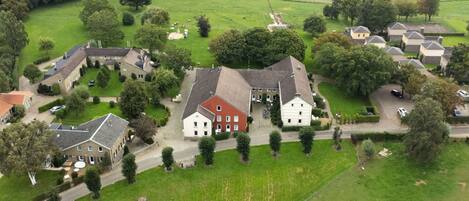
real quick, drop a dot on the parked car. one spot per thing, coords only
(402, 112)
(57, 108)
(463, 94)
(457, 113)
(91, 83)
(397, 93)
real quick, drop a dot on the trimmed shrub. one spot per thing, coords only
(319, 102)
(250, 119)
(291, 128)
(41, 60)
(127, 19)
(221, 136)
(61, 114)
(315, 123)
(122, 78)
(60, 180)
(96, 100)
(457, 120)
(112, 104)
(376, 136)
(55, 89)
(51, 104)
(317, 112)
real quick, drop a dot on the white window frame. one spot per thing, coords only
(100, 149)
(227, 127)
(235, 118)
(79, 148)
(235, 127)
(218, 118)
(228, 118)
(218, 108)
(219, 126)
(90, 148)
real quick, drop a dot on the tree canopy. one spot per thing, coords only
(156, 16)
(458, 66)
(133, 99)
(428, 8)
(19, 8)
(151, 36)
(331, 37)
(228, 47)
(92, 6)
(135, 3)
(177, 59)
(104, 26)
(444, 92)
(406, 8)
(204, 26)
(314, 25)
(207, 148)
(377, 14)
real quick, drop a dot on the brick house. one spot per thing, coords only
(14, 98)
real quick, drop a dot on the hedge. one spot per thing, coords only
(291, 128)
(59, 188)
(376, 136)
(51, 104)
(445, 34)
(458, 120)
(221, 136)
(366, 118)
(41, 60)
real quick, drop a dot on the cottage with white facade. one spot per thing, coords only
(395, 31)
(411, 41)
(377, 41)
(431, 52)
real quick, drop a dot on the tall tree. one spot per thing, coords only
(206, 148)
(331, 12)
(101, 79)
(177, 59)
(444, 92)
(314, 25)
(46, 44)
(204, 26)
(427, 130)
(285, 43)
(377, 14)
(93, 181)
(368, 148)
(19, 8)
(336, 137)
(156, 16)
(32, 72)
(165, 79)
(350, 9)
(105, 27)
(76, 101)
(458, 66)
(24, 148)
(92, 6)
(12, 32)
(410, 79)
(151, 36)
(428, 8)
(406, 8)
(145, 128)
(133, 99)
(135, 3)
(4, 82)
(306, 136)
(228, 47)
(331, 37)
(129, 168)
(275, 140)
(243, 142)
(167, 156)
(257, 40)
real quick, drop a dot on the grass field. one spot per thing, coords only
(293, 176)
(19, 187)
(340, 102)
(113, 88)
(395, 178)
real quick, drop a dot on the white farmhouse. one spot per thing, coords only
(431, 52)
(396, 30)
(411, 41)
(377, 41)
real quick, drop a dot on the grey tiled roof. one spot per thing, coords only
(360, 29)
(297, 84)
(266, 78)
(393, 50)
(107, 51)
(375, 39)
(397, 26)
(414, 62)
(104, 130)
(432, 45)
(414, 35)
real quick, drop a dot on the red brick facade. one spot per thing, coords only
(222, 109)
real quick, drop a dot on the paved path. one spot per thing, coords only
(38, 100)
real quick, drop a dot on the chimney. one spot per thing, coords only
(440, 40)
(422, 30)
(211, 93)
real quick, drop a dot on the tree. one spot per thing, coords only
(257, 40)
(106, 162)
(168, 160)
(12, 33)
(133, 99)
(306, 136)
(458, 66)
(54, 196)
(350, 9)
(126, 150)
(104, 26)
(93, 181)
(151, 36)
(24, 148)
(32, 73)
(206, 148)
(129, 168)
(101, 79)
(76, 101)
(92, 6)
(153, 92)
(406, 8)
(19, 8)
(82, 91)
(165, 79)
(243, 141)
(331, 12)
(4, 82)
(467, 27)
(410, 79)
(428, 8)
(368, 148)
(156, 16)
(285, 43)
(377, 14)
(336, 137)
(127, 19)
(427, 131)
(177, 59)
(275, 140)
(444, 92)
(228, 47)
(135, 3)
(332, 37)
(145, 128)
(204, 26)
(46, 44)
(314, 25)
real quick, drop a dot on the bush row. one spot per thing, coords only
(164, 121)
(41, 60)
(376, 136)
(221, 136)
(59, 188)
(445, 34)
(458, 120)
(51, 104)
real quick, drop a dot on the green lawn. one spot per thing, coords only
(91, 111)
(61, 23)
(291, 177)
(158, 113)
(19, 187)
(341, 102)
(113, 88)
(395, 178)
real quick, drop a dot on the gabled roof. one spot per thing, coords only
(297, 83)
(119, 52)
(414, 62)
(5, 107)
(393, 50)
(15, 97)
(397, 26)
(432, 45)
(360, 29)
(375, 39)
(104, 131)
(414, 35)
